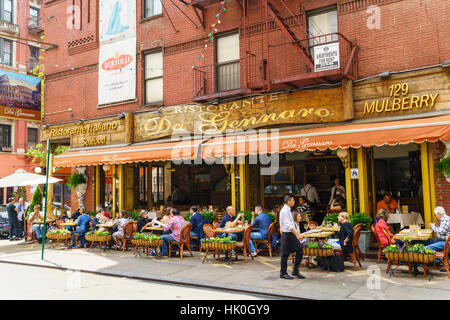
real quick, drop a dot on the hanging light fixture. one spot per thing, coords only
(344, 156)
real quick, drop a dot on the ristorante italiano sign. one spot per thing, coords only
(307, 106)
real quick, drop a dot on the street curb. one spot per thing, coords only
(197, 284)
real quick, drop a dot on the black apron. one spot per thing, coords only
(289, 243)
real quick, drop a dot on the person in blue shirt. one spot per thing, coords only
(262, 221)
(197, 222)
(82, 228)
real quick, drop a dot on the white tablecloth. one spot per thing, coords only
(405, 219)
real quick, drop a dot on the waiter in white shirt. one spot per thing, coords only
(335, 190)
(290, 239)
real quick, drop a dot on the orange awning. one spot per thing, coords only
(128, 154)
(331, 137)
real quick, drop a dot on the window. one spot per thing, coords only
(158, 185)
(322, 23)
(34, 17)
(152, 8)
(6, 51)
(32, 137)
(228, 67)
(6, 10)
(5, 137)
(153, 77)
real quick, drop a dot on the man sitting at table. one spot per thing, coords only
(263, 222)
(82, 228)
(231, 217)
(176, 223)
(197, 222)
(442, 231)
(387, 203)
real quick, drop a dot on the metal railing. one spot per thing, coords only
(226, 77)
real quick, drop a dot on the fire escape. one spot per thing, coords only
(272, 62)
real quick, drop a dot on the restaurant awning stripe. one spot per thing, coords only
(331, 137)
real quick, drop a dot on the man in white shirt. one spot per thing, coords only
(335, 190)
(290, 239)
(310, 193)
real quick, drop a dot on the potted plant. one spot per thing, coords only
(146, 240)
(364, 238)
(78, 183)
(444, 167)
(332, 219)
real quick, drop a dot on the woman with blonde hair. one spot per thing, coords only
(345, 234)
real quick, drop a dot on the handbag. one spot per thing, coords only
(334, 262)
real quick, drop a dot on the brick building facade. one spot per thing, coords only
(20, 31)
(382, 36)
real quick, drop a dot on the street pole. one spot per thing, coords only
(46, 194)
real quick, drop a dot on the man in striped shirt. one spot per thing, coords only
(442, 231)
(175, 224)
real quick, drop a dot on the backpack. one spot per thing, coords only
(334, 262)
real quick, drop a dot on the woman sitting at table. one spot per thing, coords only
(345, 240)
(338, 204)
(100, 218)
(142, 221)
(380, 225)
(37, 228)
(120, 224)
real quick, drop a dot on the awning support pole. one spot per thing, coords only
(362, 182)
(45, 202)
(427, 206)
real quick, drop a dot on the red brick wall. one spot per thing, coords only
(442, 187)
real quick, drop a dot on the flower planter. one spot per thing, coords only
(147, 243)
(410, 257)
(214, 246)
(97, 238)
(58, 236)
(316, 252)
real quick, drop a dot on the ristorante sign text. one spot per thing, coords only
(308, 106)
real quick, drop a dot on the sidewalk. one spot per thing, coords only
(260, 276)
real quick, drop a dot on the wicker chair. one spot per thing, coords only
(312, 225)
(185, 240)
(444, 255)
(242, 247)
(216, 224)
(58, 224)
(128, 234)
(209, 233)
(354, 255)
(267, 242)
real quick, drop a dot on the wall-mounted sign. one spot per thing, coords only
(89, 133)
(117, 54)
(354, 174)
(416, 92)
(326, 57)
(308, 106)
(20, 96)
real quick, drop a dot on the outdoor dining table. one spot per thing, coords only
(154, 229)
(317, 233)
(49, 221)
(422, 235)
(330, 229)
(68, 224)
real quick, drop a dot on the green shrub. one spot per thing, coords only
(37, 199)
(444, 166)
(75, 180)
(134, 214)
(332, 218)
(363, 218)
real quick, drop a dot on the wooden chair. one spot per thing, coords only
(312, 225)
(185, 240)
(267, 242)
(354, 255)
(209, 233)
(243, 246)
(216, 224)
(128, 234)
(444, 255)
(359, 225)
(380, 247)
